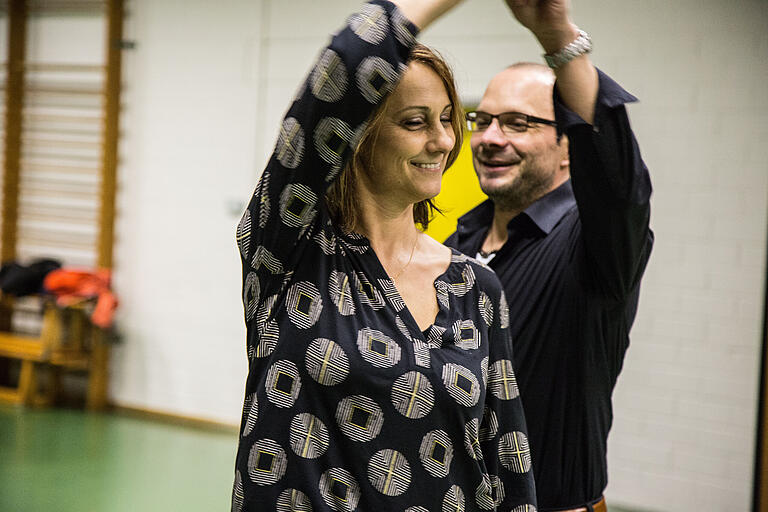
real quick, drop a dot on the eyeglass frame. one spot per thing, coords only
(528, 120)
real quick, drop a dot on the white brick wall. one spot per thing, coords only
(685, 404)
(205, 90)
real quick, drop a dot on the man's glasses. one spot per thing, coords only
(510, 122)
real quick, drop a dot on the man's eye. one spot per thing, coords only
(517, 124)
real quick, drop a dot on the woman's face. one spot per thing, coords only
(414, 140)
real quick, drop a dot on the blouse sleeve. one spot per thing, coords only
(318, 134)
(503, 433)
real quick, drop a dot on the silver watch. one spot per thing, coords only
(579, 46)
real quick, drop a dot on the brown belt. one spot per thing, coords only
(600, 506)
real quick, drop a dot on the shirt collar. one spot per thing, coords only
(545, 213)
(550, 208)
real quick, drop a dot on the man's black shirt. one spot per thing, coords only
(571, 270)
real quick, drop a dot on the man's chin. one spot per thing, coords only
(496, 188)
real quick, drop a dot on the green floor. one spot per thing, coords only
(65, 460)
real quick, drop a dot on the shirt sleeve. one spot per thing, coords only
(318, 134)
(612, 189)
(503, 433)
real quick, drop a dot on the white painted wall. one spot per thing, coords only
(189, 126)
(204, 92)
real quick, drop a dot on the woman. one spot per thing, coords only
(380, 365)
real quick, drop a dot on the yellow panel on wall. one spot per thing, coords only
(459, 194)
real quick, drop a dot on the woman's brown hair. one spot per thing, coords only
(341, 198)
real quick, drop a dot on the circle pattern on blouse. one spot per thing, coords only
(454, 500)
(268, 330)
(290, 143)
(389, 472)
(328, 80)
(375, 77)
(292, 500)
(297, 205)
(466, 283)
(485, 306)
(309, 436)
(339, 490)
(332, 138)
(283, 383)
(238, 493)
(327, 362)
(465, 335)
(490, 492)
(514, 453)
(402, 32)
(412, 395)
(377, 348)
(501, 380)
(244, 234)
(472, 439)
(367, 293)
(490, 425)
(340, 290)
(370, 24)
(436, 453)
(264, 205)
(251, 293)
(359, 418)
(524, 508)
(266, 462)
(262, 257)
(461, 384)
(250, 414)
(503, 311)
(303, 304)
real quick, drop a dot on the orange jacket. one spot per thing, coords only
(72, 286)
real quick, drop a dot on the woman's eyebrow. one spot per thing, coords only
(420, 108)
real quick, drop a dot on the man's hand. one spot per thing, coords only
(547, 19)
(550, 23)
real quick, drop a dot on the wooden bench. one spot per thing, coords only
(67, 342)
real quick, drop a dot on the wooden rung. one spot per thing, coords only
(49, 130)
(61, 118)
(9, 395)
(58, 238)
(67, 6)
(41, 191)
(67, 169)
(22, 347)
(71, 362)
(58, 66)
(58, 88)
(61, 143)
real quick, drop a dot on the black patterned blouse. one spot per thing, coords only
(349, 405)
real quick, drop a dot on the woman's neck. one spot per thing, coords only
(387, 222)
(391, 231)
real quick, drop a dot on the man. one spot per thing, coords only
(566, 229)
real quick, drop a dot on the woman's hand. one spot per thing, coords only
(423, 12)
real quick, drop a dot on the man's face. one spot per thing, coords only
(515, 169)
